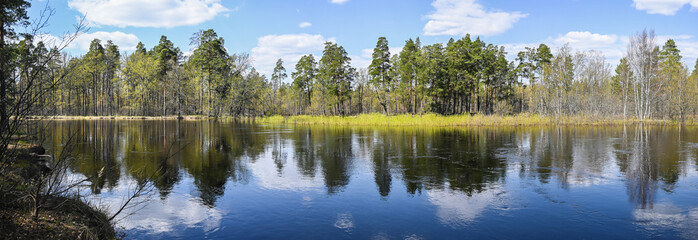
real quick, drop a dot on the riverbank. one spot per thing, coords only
(172, 117)
(61, 216)
(461, 120)
(434, 120)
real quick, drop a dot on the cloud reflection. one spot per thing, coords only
(456, 208)
(289, 177)
(664, 216)
(173, 213)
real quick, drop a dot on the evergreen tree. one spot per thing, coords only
(210, 56)
(379, 72)
(336, 75)
(304, 77)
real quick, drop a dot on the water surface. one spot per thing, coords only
(246, 181)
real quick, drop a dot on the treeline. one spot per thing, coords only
(458, 77)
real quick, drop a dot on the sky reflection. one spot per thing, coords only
(233, 179)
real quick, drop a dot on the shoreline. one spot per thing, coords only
(62, 216)
(435, 120)
(174, 117)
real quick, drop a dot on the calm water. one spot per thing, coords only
(246, 181)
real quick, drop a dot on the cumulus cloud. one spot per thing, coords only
(613, 47)
(125, 41)
(154, 13)
(339, 1)
(514, 48)
(459, 17)
(305, 25)
(289, 47)
(586, 39)
(364, 60)
(360, 61)
(664, 7)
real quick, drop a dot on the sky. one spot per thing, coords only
(287, 29)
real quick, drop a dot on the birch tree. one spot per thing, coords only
(642, 60)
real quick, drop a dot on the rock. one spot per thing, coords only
(44, 162)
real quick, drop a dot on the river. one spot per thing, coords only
(222, 180)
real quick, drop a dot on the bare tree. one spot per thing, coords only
(642, 59)
(27, 76)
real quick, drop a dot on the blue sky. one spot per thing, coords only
(286, 29)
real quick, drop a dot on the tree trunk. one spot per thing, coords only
(4, 119)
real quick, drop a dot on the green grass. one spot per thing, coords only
(436, 120)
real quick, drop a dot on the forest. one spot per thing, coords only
(461, 76)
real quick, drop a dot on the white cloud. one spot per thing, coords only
(49, 40)
(125, 41)
(586, 39)
(459, 17)
(367, 53)
(339, 1)
(289, 47)
(305, 25)
(664, 7)
(364, 60)
(154, 13)
(612, 46)
(395, 50)
(514, 48)
(609, 45)
(689, 51)
(360, 62)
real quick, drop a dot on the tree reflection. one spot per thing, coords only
(94, 149)
(335, 156)
(651, 158)
(304, 151)
(464, 160)
(211, 159)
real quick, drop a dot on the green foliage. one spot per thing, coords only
(12, 13)
(462, 76)
(335, 76)
(211, 57)
(304, 78)
(379, 72)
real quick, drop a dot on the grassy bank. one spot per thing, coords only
(435, 120)
(458, 120)
(62, 218)
(60, 215)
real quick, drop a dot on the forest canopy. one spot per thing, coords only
(465, 75)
